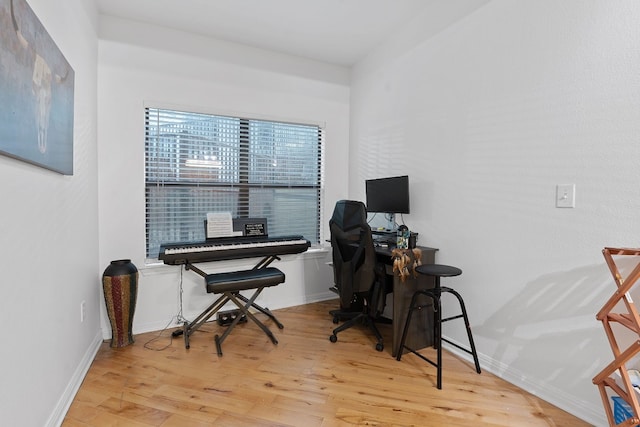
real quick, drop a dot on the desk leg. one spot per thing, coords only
(420, 333)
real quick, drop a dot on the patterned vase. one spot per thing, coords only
(120, 287)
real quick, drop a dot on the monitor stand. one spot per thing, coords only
(391, 222)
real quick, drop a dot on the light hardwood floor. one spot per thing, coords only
(303, 381)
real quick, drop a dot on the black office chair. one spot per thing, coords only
(358, 276)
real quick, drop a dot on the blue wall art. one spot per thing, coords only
(36, 92)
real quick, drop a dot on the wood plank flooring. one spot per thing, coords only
(303, 381)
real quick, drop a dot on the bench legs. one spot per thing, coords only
(243, 303)
(262, 310)
(190, 327)
(235, 297)
(228, 286)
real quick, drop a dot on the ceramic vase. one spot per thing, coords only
(120, 287)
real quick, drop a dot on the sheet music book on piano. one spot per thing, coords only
(219, 224)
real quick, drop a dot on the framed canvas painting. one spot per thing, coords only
(36, 92)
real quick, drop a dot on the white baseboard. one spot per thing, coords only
(57, 416)
(579, 408)
(308, 299)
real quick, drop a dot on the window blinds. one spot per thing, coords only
(198, 163)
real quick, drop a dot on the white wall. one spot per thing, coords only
(49, 251)
(486, 117)
(144, 65)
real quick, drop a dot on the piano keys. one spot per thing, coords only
(227, 248)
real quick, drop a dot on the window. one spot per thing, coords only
(199, 163)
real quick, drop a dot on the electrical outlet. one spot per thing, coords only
(83, 312)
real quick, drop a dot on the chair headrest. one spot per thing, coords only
(349, 214)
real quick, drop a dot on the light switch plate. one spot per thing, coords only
(566, 196)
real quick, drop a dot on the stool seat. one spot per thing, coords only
(438, 270)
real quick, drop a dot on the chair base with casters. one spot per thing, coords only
(348, 312)
(434, 295)
(362, 318)
(368, 315)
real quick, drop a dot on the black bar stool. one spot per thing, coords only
(437, 271)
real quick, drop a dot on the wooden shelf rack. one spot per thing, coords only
(622, 354)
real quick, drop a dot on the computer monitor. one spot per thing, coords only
(389, 196)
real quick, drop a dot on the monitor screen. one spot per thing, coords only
(388, 195)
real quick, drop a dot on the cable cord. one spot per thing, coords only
(178, 318)
(147, 344)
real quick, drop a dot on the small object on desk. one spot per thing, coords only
(403, 237)
(413, 240)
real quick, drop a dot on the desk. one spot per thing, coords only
(420, 335)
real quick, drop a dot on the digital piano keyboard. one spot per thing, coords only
(226, 248)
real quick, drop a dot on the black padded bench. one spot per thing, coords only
(229, 286)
